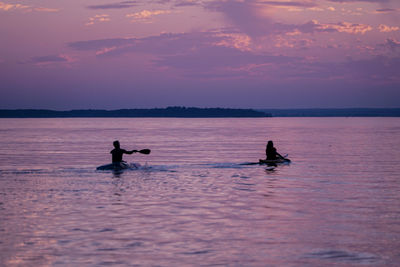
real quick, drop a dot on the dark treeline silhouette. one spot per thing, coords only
(170, 112)
(191, 112)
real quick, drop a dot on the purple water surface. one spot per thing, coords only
(193, 202)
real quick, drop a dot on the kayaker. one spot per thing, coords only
(271, 153)
(117, 152)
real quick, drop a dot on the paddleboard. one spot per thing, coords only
(275, 161)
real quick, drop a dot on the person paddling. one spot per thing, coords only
(117, 152)
(271, 152)
(117, 162)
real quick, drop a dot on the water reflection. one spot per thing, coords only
(195, 202)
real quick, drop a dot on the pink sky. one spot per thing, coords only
(248, 54)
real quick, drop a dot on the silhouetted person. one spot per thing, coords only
(271, 153)
(117, 152)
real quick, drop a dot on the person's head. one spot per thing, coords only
(116, 144)
(270, 144)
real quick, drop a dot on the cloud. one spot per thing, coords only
(206, 54)
(386, 10)
(289, 3)
(368, 1)
(11, 7)
(146, 15)
(245, 15)
(119, 5)
(346, 27)
(385, 28)
(314, 26)
(230, 55)
(182, 3)
(392, 44)
(235, 40)
(95, 45)
(211, 58)
(166, 43)
(49, 59)
(98, 18)
(302, 44)
(105, 50)
(44, 9)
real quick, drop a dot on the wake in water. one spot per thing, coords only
(173, 168)
(124, 166)
(87, 170)
(245, 165)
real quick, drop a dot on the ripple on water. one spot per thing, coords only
(344, 256)
(135, 244)
(336, 205)
(197, 252)
(106, 230)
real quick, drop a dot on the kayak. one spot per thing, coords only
(275, 161)
(118, 166)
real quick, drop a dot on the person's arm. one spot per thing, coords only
(129, 152)
(126, 152)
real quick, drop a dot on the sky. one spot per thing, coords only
(106, 54)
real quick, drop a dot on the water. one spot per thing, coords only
(193, 203)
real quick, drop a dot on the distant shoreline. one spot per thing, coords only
(334, 112)
(170, 112)
(192, 112)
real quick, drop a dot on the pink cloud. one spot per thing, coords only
(246, 16)
(214, 45)
(10, 7)
(98, 18)
(314, 26)
(347, 27)
(212, 55)
(26, 8)
(45, 9)
(146, 15)
(385, 28)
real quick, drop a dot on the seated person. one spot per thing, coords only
(271, 153)
(117, 152)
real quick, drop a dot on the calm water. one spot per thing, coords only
(193, 203)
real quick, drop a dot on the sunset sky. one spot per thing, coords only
(108, 54)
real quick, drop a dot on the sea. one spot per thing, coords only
(199, 198)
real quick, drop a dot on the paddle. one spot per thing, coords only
(143, 151)
(284, 157)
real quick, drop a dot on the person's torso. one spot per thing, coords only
(271, 153)
(117, 155)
